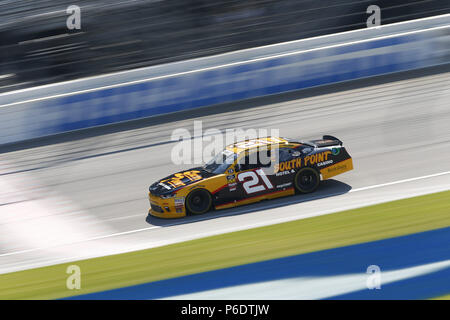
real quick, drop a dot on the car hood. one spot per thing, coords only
(179, 180)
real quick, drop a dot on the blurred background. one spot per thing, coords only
(37, 48)
(77, 158)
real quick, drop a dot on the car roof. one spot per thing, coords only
(256, 143)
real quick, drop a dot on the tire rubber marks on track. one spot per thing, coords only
(34, 217)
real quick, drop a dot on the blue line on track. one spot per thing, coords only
(390, 254)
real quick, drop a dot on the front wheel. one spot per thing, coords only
(306, 180)
(198, 201)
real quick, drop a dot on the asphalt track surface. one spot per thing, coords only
(84, 194)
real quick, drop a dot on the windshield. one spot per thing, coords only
(220, 162)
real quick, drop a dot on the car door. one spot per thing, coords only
(283, 175)
(252, 181)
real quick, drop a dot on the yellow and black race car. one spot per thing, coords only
(247, 172)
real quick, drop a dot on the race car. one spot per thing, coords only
(250, 171)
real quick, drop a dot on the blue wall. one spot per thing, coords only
(253, 76)
(219, 84)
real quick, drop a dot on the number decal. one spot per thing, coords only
(265, 179)
(253, 184)
(176, 180)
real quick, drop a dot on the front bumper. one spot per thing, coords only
(166, 208)
(166, 215)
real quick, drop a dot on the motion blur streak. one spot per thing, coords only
(37, 48)
(395, 129)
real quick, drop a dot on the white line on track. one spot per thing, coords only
(400, 181)
(269, 206)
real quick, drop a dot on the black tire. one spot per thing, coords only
(307, 180)
(198, 201)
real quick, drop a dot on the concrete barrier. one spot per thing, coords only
(147, 92)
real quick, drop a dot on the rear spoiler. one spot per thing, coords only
(327, 141)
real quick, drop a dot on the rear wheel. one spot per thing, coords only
(198, 201)
(306, 180)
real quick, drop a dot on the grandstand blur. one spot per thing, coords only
(115, 35)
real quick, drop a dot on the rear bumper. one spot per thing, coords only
(337, 168)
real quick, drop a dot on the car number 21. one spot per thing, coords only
(256, 181)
